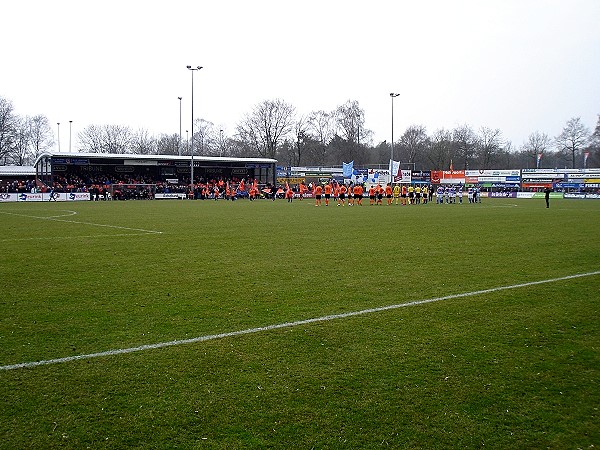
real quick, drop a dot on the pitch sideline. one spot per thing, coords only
(140, 231)
(140, 348)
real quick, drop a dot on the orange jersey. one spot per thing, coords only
(358, 190)
(343, 189)
(327, 189)
(388, 190)
(318, 190)
(371, 192)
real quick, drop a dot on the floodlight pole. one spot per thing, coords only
(70, 134)
(193, 69)
(58, 128)
(179, 144)
(392, 95)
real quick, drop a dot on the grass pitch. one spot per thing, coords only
(515, 368)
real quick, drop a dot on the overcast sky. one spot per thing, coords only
(517, 65)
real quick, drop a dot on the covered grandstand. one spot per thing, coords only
(90, 167)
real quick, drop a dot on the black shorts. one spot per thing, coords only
(342, 196)
(327, 196)
(318, 196)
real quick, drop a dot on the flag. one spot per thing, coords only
(348, 168)
(539, 158)
(242, 186)
(451, 166)
(585, 158)
(394, 170)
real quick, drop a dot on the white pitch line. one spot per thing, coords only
(89, 236)
(56, 219)
(211, 337)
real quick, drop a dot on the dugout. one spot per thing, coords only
(93, 167)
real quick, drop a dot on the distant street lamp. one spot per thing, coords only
(392, 95)
(179, 144)
(70, 134)
(58, 127)
(193, 69)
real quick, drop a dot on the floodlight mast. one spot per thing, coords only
(192, 185)
(393, 96)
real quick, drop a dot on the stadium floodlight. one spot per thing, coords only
(179, 143)
(193, 69)
(393, 96)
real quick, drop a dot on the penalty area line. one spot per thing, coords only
(327, 318)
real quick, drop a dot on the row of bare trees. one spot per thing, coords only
(273, 129)
(22, 139)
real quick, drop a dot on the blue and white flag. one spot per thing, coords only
(348, 168)
(394, 170)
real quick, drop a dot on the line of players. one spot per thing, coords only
(404, 195)
(449, 194)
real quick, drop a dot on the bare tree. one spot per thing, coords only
(41, 137)
(144, 144)
(594, 159)
(90, 139)
(350, 120)
(537, 143)
(266, 128)
(301, 136)
(574, 138)
(7, 126)
(205, 138)
(465, 144)
(118, 139)
(19, 151)
(414, 141)
(440, 149)
(489, 145)
(167, 144)
(106, 139)
(321, 126)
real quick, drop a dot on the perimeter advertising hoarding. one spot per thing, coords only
(404, 177)
(45, 197)
(582, 195)
(421, 176)
(510, 176)
(502, 194)
(448, 177)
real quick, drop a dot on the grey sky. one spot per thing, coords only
(520, 66)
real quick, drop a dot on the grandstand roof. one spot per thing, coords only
(14, 171)
(154, 157)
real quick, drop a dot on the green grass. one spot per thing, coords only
(517, 368)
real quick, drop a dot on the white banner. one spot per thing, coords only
(170, 195)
